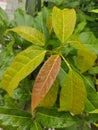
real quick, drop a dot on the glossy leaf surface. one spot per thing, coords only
(45, 79)
(73, 93)
(63, 22)
(30, 34)
(51, 118)
(23, 64)
(50, 98)
(14, 117)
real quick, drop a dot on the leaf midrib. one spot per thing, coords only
(42, 114)
(24, 67)
(49, 72)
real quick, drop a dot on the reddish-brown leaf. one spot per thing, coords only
(45, 79)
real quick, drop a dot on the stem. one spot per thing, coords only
(66, 62)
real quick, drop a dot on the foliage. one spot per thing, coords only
(48, 69)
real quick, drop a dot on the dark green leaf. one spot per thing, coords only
(92, 96)
(92, 118)
(14, 117)
(51, 118)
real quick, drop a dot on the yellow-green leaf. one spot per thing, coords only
(94, 11)
(96, 124)
(85, 58)
(24, 63)
(73, 93)
(30, 34)
(95, 111)
(63, 22)
(50, 99)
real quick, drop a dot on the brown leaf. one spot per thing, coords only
(45, 79)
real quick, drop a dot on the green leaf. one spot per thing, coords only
(82, 125)
(40, 21)
(3, 16)
(22, 18)
(93, 47)
(92, 97)
(80, 27)
(36, 126)
(14, 117)
(63, 22)
(50, 99)
(45, 79)
(51, 118)
(62, 76)
(95, 111)
(24, 63)
(89, 106)
(92, 118)
(94, 11)
(30, 34)
(73, 93)
(6, 57)
(93, 70)
(82, 60)
(8, 128)
(89, 40)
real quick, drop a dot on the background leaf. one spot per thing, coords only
(62, 76)
(3, 16)
(92, 96)
(89, 40)
(73, 93)
(45, 79)
(24, 63)
(30, 34)
(63, 22)
(82, 60)
(21, 18)
(40, 21)
(51, 118)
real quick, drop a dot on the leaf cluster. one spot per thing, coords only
(51, 81)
